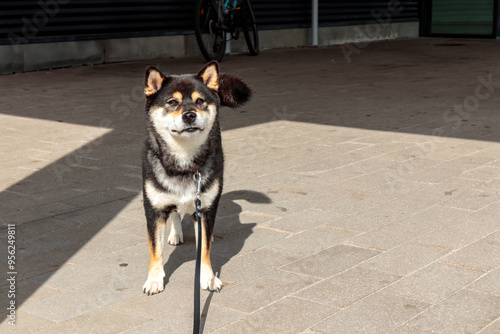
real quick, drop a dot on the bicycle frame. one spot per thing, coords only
(224, 9)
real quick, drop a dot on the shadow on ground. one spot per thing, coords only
(227, 247)
(230, 239)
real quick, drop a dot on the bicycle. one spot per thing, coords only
(215, 20)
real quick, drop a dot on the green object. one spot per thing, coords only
(462, 17)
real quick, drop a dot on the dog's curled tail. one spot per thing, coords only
(232, 91)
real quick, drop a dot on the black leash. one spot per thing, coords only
(197, 203)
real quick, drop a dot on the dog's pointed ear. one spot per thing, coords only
(210, 75)
(232, 91)
(154, 80)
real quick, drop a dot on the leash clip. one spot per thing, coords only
(197, 180)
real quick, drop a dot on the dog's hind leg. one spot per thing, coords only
(156, 237)
(175, 237)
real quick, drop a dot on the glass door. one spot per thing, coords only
(468, 18)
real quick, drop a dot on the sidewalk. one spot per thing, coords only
(362, 195)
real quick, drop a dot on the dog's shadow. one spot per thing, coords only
(229, 231)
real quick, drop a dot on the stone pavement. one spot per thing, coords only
(362, 195)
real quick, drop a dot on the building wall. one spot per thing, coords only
(42, 34)
(30, 57)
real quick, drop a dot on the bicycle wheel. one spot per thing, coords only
(211, 40)
(250, 28)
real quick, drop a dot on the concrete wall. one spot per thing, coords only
(273, 39)
(39, 56)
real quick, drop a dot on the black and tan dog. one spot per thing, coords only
(183, 138)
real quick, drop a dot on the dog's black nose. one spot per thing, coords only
(189, 117)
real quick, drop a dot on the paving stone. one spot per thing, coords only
(313, 240)
(491, 186)
(296, 204)
(105, 242)
(405, 154)
(400, 187)
(98, 197)
(451, 188)
(451, 151)
(178, 293)
(27, 291)
(492, 328)
(465, 312)
(379, 313)
(435, 175)
(405, 259)
(124, 225)
(274, 209)
(480, 255)
(305, 220)
(411, 203)
(473, 200)
(490, 283)
(327, 148)
(83, 299)
(485, 173)
(371, 180)
(488, 214)
(283, 185)
(437, 216)
(281, 317)
(240, 219)
(468, 162)
(246, 267)
(36, 213)
(348, 159)
(246, 241)
(37, 260)
(36, 230)
(103, 320)
(389, 236)
(71, 275)
(459, 234)
(434, 283)
(178, 319)
(495, 162)
(369, 220)
(262, 290)
(409, 330)
(25, 323)
(331, 261)
(101, 213)
(319, 167)
(346, 288)
(370, 165)
(356, 201)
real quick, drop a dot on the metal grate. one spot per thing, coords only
(292, 14)
(93, 18)
(45, 20)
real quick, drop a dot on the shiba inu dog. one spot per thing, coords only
(183, 138)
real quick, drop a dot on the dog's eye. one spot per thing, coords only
(199, 101)
(173, 103)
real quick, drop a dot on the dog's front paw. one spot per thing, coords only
(154, 283)
(210, 282)
(175, 239)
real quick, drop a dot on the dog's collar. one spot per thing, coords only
(176, 173)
